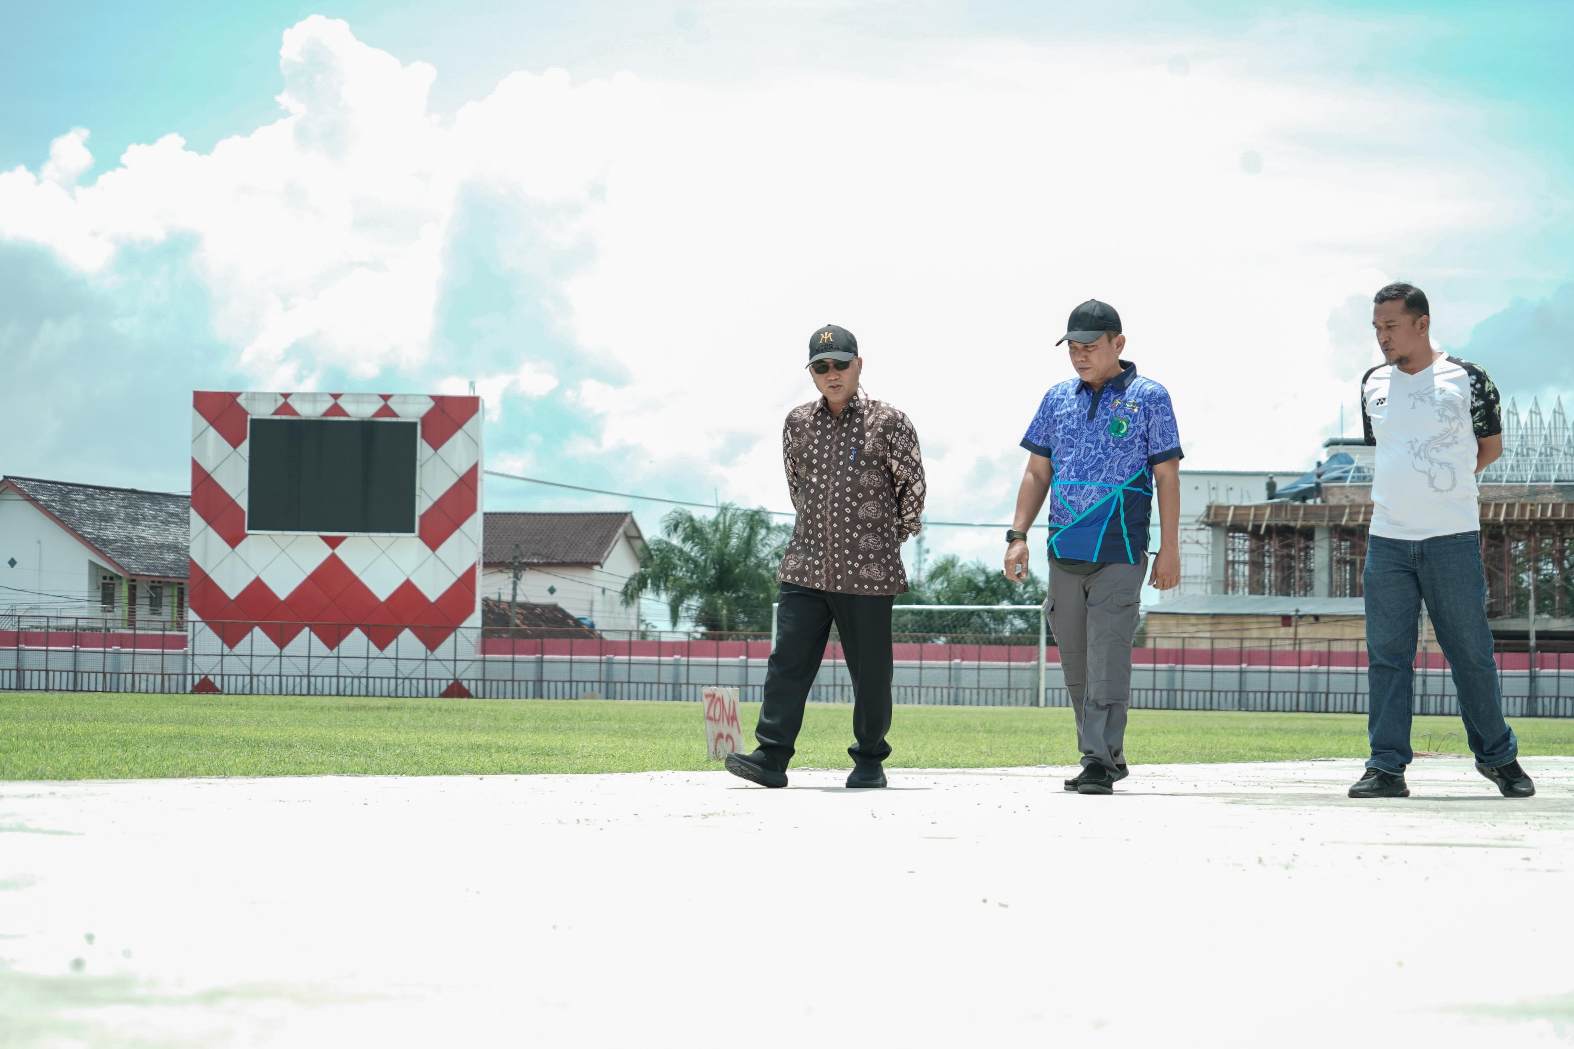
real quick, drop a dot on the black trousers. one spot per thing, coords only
(803, 624)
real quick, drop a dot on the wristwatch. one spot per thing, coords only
(1012, 535)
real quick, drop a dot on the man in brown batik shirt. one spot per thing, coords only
(857, 482)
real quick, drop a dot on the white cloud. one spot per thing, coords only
(530, 380)
(950, 215)
(321, 235)
(602, 398)
(946, 221)
(351, 100)
(533, 381)
(68, 158)
(41, 209)
(511, 462)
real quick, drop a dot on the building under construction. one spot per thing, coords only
(1310, 541)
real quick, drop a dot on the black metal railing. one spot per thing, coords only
(54, 654)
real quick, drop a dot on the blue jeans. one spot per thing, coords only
(1446, 573)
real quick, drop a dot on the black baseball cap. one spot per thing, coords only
(1090, 320)
(832, 343)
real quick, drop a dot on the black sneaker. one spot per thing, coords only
(1120, 773)
(1096, 779)
(867, 774)
(756, 768)
(1375, 783)
(1510, 779)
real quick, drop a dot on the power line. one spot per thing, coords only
(40, 593)
(603, 491)
(709, 506)
(654, 601)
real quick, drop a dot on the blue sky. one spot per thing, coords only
(623, 220)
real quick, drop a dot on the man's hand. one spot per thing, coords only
(1016, 561)
(1166, 569)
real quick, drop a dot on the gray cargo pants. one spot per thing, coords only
(1094, 618)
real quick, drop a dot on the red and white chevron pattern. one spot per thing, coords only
(389, 588)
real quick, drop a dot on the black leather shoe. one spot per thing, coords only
(867, 774)
(1510, 779)
(1375, 783)
(1120, 774)
(756, 768)
(1096, 779)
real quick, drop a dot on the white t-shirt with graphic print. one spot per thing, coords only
(1425, 427)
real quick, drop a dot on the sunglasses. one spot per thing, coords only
(821, 367)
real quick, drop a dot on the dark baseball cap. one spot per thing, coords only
(832, 343)
(1090, 320)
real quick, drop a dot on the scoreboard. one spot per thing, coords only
(321, 520)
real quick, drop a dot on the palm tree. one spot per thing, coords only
(721, 569)
(951, 581)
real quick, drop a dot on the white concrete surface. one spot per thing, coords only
(1203, 905)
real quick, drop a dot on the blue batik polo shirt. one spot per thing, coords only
(1103, 445)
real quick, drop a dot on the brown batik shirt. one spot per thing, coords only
(857, 482)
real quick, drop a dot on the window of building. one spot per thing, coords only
(155, 598)
(108, 588)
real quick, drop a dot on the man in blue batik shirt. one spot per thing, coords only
(1102, 444)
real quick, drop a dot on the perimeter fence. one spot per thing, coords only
(935, 665)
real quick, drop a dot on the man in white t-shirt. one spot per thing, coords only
(1435, 422)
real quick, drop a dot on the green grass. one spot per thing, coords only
(115, 736)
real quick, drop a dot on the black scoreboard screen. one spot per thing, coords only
(335, 476)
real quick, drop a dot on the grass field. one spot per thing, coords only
(114, 736)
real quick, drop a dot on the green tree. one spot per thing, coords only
(720, 569)
(951, 581)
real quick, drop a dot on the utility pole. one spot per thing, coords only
(516, 568)
(1531, 672)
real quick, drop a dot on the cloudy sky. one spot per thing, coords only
(621, 221)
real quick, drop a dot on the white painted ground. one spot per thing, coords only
(1202, 905)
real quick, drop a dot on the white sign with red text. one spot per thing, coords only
(723, 734)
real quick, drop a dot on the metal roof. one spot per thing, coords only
(1537, 449)
(528, 619)
(556, 538)
(1253, 516)
(142, 533)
